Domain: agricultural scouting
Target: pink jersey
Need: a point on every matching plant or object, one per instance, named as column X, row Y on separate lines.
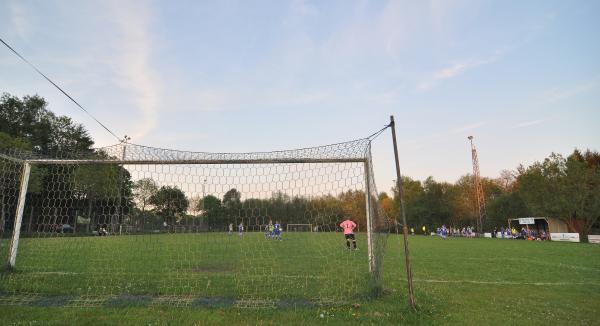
column 348, row 226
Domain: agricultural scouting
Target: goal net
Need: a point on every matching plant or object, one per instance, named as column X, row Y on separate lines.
column 135, row 225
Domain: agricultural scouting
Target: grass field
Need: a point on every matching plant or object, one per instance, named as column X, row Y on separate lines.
column 307, row 279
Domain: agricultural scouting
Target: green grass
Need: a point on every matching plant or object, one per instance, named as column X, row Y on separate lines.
column 305, row 266
column 457, row 281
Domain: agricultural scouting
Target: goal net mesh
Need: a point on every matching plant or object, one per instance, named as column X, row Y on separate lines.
column 133, row 225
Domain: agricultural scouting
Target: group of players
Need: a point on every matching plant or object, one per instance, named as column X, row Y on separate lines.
column 273, row 231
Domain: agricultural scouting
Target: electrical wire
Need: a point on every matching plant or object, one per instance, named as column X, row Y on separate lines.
column 60, row 89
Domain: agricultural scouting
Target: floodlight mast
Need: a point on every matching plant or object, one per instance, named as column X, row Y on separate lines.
column 478, row 187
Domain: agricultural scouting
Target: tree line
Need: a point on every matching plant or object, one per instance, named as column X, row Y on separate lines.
column 170, row 205
column 567, row 188
column 563, row 187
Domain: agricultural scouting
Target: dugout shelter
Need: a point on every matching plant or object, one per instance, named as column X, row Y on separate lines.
column 539, row 224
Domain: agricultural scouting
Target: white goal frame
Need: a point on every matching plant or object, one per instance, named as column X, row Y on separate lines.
column 310, row 226
column 28, row 163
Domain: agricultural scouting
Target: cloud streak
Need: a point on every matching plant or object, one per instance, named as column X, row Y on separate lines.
column 528, row 124
column 558, row 94
column 456, row 70
column 467, row 127
column 134, row 72
column 18, row 17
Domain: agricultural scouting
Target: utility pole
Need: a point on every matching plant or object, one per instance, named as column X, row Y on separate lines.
column 400, row 187
column 478, row 188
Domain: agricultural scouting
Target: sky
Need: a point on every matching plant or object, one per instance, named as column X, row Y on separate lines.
column 522, row 77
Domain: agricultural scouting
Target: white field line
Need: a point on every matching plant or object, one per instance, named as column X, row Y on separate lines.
column 538, row 262
column 507, row 282
column 54, row 273
column 247, row 276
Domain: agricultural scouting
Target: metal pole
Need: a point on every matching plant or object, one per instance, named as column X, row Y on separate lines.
column 399, row 186
column 119, row 184
column 14, row 242
column 203, row 193
column 368, row 216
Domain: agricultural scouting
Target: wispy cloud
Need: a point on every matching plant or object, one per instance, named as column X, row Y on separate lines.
column 133, row 62
column 467, row 127
column 556, row 94
column 457, row 69
column 18, row 17
column 418, row 143
column 528, row 123
column 302, row 7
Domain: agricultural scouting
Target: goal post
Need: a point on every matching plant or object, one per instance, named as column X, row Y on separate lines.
column 14, row 241
column 96, row 223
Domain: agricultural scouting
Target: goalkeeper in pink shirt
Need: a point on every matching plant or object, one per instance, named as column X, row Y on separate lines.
column 349, row 227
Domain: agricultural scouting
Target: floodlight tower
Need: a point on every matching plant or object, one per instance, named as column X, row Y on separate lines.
column 478, row 188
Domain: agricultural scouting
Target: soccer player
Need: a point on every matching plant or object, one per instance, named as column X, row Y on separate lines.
column 230, row 228
column 349, row 227
column 269, row 230
column 103, row 230
column 241, row 229
column 277, row 231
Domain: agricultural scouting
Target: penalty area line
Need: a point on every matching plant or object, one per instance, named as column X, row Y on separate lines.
column 506, row 282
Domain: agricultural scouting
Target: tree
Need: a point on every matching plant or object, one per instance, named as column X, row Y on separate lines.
column 565, row 188
column 143, row 190
column 463, row 202
column 353, row 205
column 389, row 208
column 209, row 203
column 387, row 205
column 26, row 125
column 582, row 185
column 93, row 183
column 232, row 199
column 505, row 206
column 542, row 187
column 170, row 202
column 195, row 205
column 413, row 191
column 507, row 179
column 211, row 209
column 29, row 119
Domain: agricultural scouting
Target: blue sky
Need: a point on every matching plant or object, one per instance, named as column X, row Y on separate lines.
column 523, row 77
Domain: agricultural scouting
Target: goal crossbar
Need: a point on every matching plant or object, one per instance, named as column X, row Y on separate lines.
column 179, row 162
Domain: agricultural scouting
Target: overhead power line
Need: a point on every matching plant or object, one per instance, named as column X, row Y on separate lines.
column 60, row 89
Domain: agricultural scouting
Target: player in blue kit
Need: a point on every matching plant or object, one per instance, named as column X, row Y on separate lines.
column 277, row 231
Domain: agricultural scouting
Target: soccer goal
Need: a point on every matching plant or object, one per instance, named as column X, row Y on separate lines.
column 129, row 223
column 299, row 228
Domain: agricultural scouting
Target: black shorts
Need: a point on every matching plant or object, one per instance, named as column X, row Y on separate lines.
column 349, row 236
